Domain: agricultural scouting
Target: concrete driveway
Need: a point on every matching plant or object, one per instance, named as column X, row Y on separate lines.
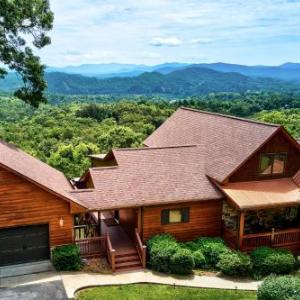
column 53, row 290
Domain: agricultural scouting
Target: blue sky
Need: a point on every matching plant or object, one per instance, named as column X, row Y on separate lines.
column 155, row 31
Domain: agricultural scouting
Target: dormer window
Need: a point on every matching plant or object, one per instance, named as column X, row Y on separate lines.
column 272, row 163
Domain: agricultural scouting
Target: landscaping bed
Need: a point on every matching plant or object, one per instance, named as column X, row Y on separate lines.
column 166, row 255
column 156, row 291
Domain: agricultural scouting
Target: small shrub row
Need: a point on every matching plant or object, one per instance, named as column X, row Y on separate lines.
column 166, row 255
column 66, row 258
column 279, row 288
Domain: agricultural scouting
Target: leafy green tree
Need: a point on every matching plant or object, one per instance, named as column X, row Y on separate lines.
column 18, row 19
column 119, row 137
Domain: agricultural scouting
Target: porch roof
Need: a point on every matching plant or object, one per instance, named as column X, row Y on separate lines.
column 263, row 194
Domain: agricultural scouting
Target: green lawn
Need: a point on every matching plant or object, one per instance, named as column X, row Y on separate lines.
column 157, row 292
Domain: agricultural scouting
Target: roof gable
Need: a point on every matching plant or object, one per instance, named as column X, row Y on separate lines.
column 35, row 171
column 227, row 141
column 150, row 176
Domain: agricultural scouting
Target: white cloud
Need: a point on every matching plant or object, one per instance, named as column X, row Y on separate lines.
column 166, row 41
column 87, row 31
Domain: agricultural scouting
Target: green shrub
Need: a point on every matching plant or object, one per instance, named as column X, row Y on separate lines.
column 199, row 259
column 235, row 263
column 268, row 261
column 182, row 262
column 160, row 250
column 279, row 288
column 211, row 248
column 66, row 258
column 159, row 241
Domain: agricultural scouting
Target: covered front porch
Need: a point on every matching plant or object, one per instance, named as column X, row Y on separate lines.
column 264, row 213
column 114, row 234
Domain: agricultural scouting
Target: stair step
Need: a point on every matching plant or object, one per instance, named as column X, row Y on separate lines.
column 126, row 265
column 126, row 254
column 127, row 258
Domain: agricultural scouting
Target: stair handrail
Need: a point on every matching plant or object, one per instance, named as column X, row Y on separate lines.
column 142, row 249
column 111, row 253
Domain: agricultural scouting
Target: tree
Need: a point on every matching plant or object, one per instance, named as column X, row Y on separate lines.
column 18, row 19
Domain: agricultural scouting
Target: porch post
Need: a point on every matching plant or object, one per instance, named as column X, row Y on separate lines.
column 99, row 222
column 241, row 229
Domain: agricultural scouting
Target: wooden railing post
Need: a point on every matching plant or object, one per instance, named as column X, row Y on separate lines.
column 142, row 249
column 241, row 230
column 272, row 236
column 111, row 253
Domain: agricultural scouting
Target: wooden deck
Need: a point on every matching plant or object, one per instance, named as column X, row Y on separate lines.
column 288, row 239
column 121, row 251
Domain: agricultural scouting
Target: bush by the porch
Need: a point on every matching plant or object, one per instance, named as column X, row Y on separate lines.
column 199, row 259
column 160, row 249
column 282, row 287
column 235, row 263
column 212, row 249
column 268, row 261
column 182, row 262
column 66, row 258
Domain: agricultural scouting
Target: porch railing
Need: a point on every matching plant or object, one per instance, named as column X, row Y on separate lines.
column 282, row 238
column 92, row 247
column 111, row 253
column 142, row 249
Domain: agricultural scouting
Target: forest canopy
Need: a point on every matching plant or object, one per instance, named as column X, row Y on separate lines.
column 64, row 135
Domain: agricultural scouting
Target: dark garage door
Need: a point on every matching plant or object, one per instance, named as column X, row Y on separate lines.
column 24, row 244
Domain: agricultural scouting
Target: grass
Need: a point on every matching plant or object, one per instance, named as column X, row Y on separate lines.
column 157, row 292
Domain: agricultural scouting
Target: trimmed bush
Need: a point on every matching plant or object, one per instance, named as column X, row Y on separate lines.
column 235, row 263
column 199, row 259
column 182, row 262
column 268, row 261
column 212, row 248
column 279, row 288
column 160, row 249
column 66, row 258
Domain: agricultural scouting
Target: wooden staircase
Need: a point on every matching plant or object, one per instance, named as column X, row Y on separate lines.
column 128, row 260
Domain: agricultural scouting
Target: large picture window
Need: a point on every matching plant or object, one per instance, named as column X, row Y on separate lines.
column 173, row 216
column 272, row 163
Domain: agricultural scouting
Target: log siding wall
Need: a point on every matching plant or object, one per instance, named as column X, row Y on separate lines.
column 23, row 203
column 205, row 220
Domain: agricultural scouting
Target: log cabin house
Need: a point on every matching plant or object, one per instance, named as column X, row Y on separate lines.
column 198, row 174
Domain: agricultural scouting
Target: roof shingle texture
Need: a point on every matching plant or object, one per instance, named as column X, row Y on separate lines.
column 227, row 141
column 149, row 176
column 33, row 169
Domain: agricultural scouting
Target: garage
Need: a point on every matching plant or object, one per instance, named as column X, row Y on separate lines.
column 24, row 244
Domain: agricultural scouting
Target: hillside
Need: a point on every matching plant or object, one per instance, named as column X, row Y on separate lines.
column 287, row 71
column 188, row 81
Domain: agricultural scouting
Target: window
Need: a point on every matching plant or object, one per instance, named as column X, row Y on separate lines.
column 272, row 164
column 173, row 216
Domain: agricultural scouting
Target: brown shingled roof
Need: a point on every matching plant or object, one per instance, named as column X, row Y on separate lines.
column 34, row 170
column 149, row 176
column 228, row 141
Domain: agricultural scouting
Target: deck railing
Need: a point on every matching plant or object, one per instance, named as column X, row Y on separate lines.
column 282, row 238
column 111, row 253
column 142, row 249
column 92, row 247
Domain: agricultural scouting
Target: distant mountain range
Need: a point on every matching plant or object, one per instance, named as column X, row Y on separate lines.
column 174, row 79
column 287, row 71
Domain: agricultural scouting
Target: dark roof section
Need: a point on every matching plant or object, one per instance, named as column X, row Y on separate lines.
column 150, row 176
column 35, row 171
column 227, row 141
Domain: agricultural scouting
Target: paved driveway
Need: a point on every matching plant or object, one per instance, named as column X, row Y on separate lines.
column 53, row 290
